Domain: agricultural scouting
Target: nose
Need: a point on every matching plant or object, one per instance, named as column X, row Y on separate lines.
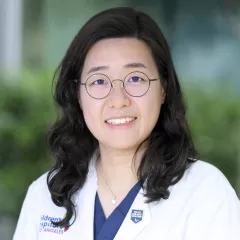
column 118, row 97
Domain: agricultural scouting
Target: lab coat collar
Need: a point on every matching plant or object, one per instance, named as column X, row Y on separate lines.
column 86, row 203
column 130, row 228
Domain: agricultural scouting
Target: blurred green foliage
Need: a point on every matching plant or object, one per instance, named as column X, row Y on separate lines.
column 214, row 118
column 27, row 111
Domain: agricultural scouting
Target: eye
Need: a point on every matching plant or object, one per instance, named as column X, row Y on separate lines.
column 99, row 82
column 136, row 79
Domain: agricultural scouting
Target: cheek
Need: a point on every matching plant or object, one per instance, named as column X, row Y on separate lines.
column 92, row 120
column 150, row 107
column 154, row 100
column 84, row 100
column 92, row 113
column 152, row 110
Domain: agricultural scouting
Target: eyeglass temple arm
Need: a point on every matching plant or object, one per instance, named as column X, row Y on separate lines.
column 155, row 79
column 76, row 81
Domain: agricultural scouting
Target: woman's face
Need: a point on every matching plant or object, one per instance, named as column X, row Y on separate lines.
column 116, row 58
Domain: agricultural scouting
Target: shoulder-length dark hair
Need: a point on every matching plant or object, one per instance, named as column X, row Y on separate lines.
column 72, row 144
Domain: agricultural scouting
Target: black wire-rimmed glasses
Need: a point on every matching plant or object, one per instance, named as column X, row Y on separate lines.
column 136, row 84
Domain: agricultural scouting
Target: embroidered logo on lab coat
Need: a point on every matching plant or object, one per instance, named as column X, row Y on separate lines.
column 46, row 224
column 137, row 215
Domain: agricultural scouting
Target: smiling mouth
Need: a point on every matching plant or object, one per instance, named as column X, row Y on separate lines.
column 120, row 121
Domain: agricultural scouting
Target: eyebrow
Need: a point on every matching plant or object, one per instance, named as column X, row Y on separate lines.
column 129, row 65
column 135, row 65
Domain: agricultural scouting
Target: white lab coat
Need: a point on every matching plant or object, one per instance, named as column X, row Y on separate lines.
column 201, row 206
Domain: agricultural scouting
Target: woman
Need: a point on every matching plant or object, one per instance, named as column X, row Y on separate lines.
column 125, row 166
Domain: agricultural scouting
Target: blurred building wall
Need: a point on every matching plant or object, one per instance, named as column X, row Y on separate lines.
column 203, row 36
column 10, row 36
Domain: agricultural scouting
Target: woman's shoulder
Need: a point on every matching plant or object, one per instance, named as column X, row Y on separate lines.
column 199, row 169
column 203, row 171
column 203, row 178
column 39, row 188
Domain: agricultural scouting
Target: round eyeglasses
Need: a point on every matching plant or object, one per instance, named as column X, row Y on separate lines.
column 136, row 84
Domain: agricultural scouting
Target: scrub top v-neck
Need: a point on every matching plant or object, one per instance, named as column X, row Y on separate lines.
column 106, row 229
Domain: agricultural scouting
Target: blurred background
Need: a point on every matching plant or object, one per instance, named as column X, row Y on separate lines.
column 204, row 37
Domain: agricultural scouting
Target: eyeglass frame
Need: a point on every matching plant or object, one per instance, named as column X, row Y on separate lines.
column 111, row 81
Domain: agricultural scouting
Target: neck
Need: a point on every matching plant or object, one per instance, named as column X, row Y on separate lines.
column 118, row 168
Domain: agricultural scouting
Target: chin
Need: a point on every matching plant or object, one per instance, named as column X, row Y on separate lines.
column 121, row 144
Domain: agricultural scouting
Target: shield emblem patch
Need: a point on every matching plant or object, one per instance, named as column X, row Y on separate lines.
column 137, row 215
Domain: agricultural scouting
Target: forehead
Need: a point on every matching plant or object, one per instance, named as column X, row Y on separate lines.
column 118, row 52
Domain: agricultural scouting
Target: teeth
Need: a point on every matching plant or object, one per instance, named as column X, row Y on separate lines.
column 120, row 121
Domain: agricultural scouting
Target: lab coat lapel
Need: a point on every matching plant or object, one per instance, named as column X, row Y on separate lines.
column 136, row 220
column 85, row 205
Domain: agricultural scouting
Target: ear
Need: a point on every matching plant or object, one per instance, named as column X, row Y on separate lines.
column 80, row 104
column 163, row 95
column 163, row 91
column 79, row 98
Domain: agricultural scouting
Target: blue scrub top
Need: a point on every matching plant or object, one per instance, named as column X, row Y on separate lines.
column 106, row 229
